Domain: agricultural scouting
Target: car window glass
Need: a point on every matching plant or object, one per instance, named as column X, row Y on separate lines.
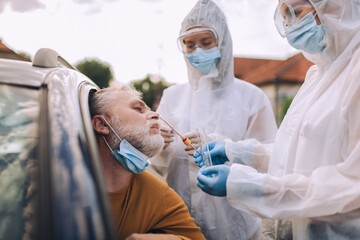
column 19, row 137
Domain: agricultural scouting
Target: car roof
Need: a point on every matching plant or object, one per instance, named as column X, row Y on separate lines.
column 22, row 73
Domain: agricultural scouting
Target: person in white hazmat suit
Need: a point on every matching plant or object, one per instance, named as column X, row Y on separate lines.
column 223, row 106
column 313, row 175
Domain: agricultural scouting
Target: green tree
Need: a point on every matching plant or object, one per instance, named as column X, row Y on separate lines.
column 151, row 90
column 99, row 72
column 285, row 106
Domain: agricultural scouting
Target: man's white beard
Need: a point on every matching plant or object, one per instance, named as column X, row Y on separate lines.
column 138, row 137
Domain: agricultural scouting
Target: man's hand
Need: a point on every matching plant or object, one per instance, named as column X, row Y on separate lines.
column 212, row 180
column 217, row 153
column 167, row 135
column 149, row 236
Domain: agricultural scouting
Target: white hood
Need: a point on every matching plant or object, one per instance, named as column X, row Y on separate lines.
column 207, row 14
column 341, row 22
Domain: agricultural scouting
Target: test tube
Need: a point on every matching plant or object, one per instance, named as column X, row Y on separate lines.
column 205, row 148
column 201, row 147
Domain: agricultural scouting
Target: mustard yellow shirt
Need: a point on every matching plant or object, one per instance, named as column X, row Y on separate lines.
column 149, row 205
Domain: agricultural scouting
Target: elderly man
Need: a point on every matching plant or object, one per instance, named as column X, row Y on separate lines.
column 127, row 133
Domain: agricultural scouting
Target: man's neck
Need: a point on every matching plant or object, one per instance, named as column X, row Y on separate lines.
column 116, row 176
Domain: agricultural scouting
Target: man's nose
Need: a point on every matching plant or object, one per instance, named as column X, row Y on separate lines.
column 153, row 115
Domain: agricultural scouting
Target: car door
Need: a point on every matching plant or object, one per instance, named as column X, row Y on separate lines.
column 79, row 204
column 50, row 179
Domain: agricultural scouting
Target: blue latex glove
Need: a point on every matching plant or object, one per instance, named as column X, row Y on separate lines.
column 217, row 153
column 213, row 184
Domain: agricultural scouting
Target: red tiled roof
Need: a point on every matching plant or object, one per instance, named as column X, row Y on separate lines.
column 4, row 48
column 7, row 53
column 260, row 71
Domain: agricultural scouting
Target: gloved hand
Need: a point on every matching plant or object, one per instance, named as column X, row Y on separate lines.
column 217, row 153
column 211, row 183
column 195, row 141
column 167, row 135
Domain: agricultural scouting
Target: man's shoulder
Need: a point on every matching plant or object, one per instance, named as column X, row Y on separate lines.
column 159, row 191
column 149, row 181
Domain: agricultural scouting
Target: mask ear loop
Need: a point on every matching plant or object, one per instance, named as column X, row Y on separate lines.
column 111, row 128
column 107, row 144
column 315, row 14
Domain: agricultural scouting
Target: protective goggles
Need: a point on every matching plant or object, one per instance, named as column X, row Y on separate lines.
column 289, row 12
column 204, row 38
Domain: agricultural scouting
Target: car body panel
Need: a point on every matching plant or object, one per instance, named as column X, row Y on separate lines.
column 22, row 73
column 69, row 198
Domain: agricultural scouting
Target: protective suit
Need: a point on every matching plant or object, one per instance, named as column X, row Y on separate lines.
column 226, row 108
column 313, row 174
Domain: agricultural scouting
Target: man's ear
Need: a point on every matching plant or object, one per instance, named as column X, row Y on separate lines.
column 99, row 125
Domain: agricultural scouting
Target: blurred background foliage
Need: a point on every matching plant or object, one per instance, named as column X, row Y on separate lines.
column 152, row 88
column 98, row 71
column 285, row 106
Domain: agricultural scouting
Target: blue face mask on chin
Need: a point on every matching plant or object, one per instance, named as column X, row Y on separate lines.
column 128, row 156
column 306, row 35
column 203, row 60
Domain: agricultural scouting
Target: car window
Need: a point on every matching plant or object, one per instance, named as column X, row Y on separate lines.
column 19, row 137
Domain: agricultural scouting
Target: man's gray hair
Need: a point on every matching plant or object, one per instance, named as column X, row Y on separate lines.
column 100, row 100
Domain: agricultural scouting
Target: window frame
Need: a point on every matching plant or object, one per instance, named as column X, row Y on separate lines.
column 95, row 165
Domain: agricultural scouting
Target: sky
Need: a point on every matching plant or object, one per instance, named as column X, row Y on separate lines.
column 135, row 37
